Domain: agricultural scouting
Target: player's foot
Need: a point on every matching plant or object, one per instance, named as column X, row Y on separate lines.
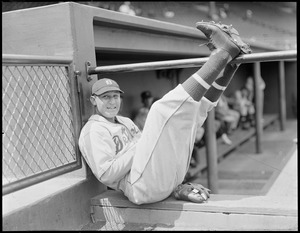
column 226, row 139
column 191, row 192
column 224, row 37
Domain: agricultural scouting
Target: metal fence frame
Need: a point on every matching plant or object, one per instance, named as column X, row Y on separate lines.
column 29, row 60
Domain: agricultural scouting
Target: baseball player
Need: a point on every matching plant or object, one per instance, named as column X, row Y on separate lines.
column 150, row 166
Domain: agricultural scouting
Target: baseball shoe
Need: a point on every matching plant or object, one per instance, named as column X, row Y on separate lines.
column 223, row 37
column 226, row 139
column 191, row 192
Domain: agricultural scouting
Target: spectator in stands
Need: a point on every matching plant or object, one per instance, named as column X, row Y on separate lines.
column 127, row 8
column 140, row 118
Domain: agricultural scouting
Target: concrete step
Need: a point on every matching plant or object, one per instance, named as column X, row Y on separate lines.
column 111, row 210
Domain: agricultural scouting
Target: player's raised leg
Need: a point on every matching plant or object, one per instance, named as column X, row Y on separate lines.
column 225, row 44
column 163, row 153
column 224, row 49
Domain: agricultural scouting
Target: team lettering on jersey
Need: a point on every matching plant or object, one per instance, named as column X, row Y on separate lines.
column 118, row 142
column 125, row 138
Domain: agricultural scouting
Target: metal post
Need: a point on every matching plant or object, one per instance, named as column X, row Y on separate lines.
column 211, row 152
column 282, row 102
column 258, row 107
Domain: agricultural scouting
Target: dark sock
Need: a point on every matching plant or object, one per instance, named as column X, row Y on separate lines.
column 213, row 94
column 208, row 72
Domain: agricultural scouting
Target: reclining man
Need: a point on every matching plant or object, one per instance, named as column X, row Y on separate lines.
column 150, row 166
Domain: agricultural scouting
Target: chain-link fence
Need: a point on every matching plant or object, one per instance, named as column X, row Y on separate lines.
column 38, row 134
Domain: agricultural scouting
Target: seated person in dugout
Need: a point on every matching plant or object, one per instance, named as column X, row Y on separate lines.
column 227, row 115
column 228, row 118
column 245, row 108
column 223, row 132
column 248, row 93
column 141, row 116
column 150, row 166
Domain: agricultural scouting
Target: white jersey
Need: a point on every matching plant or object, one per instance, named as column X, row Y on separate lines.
column 103, row 143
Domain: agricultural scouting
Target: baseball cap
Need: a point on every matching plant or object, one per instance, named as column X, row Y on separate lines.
column 104, row 85
column 146, row 94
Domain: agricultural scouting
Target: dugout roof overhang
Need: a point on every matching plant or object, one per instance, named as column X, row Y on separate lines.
column 114, row 32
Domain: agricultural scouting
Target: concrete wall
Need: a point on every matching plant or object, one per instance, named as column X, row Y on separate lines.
column 65, row 209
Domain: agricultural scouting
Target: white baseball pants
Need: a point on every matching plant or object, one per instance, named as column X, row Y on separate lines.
column 164, row 151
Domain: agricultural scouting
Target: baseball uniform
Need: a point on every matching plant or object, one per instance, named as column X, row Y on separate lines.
column 147, row 167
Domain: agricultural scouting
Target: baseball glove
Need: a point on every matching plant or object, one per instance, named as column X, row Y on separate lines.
column 191, row 192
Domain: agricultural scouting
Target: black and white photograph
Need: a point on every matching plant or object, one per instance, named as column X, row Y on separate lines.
column 149, row 116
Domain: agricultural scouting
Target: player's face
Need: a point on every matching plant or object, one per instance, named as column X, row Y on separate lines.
column 108, row 104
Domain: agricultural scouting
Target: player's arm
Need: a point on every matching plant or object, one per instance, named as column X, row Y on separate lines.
column 99, row 152
column 119, row 167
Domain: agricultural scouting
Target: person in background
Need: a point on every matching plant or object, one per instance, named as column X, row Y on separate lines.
column 141, row 116
column 248, row 91
column 223, row 132
column 225, row 114
column 127, row 8
column 244, row 107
